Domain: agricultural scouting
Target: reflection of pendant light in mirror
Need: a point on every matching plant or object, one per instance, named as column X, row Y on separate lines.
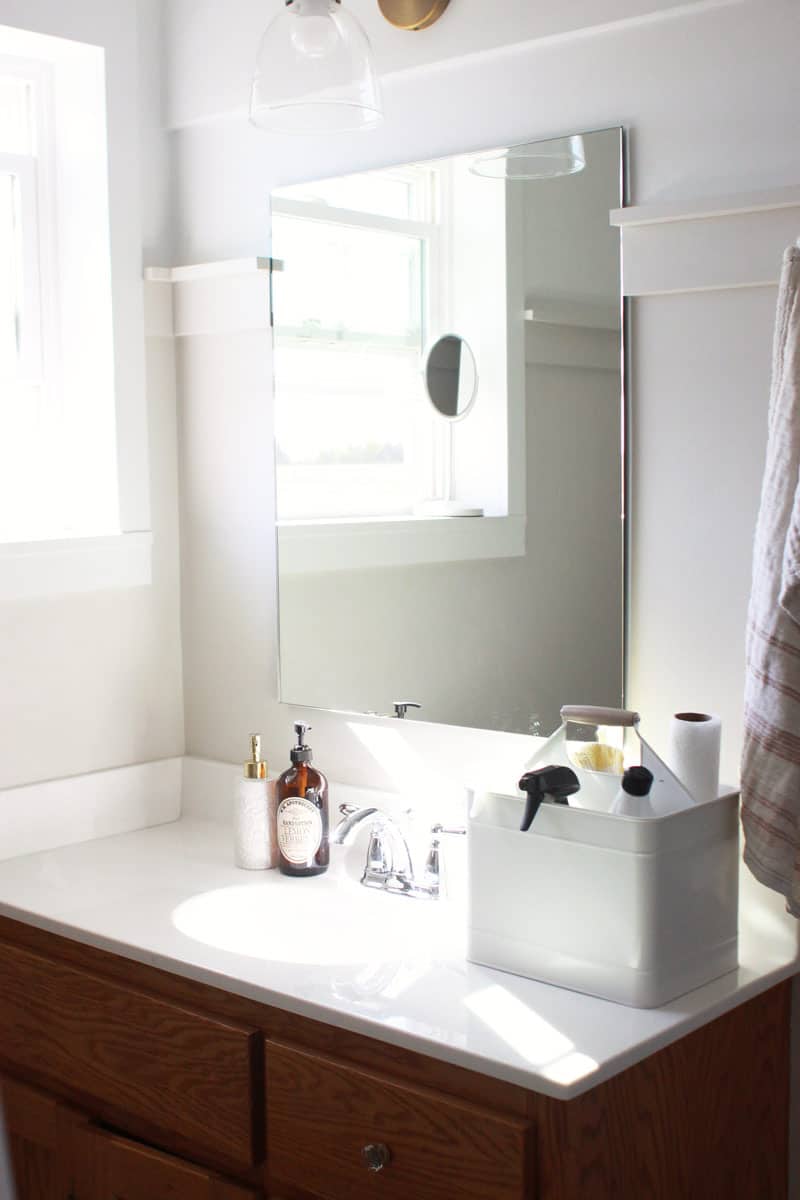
column 314, row 72
column 534, row 160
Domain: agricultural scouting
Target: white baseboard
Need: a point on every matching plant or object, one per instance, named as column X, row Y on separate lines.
column 208, row 789
column 42, row 816
column 63, row 812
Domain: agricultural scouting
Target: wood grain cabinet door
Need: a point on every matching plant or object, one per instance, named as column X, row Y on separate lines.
column 345, row 1134
column 130, row 1054
column 37, row 1136
column 113, row 1168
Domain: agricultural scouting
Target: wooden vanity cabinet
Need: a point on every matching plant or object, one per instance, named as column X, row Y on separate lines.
column 124, row 1082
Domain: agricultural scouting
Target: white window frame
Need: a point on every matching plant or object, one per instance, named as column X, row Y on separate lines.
column 22, row 169
column 428, row 232
column 34, row 174
column 350, row 543
column 118, row 554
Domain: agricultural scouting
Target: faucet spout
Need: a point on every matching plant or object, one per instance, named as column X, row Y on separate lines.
column 344, row 832
column 386, row 835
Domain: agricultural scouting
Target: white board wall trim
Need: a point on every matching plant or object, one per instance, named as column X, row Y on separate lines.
column 37, row 817
column 63, row 812
column 708, row 244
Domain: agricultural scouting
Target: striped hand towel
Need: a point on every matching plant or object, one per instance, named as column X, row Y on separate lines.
column 771, row 753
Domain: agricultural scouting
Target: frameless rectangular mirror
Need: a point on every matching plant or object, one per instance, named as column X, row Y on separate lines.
column 449, row 430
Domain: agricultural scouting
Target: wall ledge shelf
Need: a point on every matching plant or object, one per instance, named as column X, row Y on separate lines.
column 706, row 208
column 209, row 298
column 567, row 311
column 228, row 269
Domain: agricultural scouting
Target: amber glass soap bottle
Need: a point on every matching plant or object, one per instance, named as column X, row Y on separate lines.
column 302, row 797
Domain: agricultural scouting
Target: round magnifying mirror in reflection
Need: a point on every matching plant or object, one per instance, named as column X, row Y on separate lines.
column 451, row 377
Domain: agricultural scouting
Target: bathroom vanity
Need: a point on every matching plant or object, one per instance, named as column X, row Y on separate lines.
column 169, row 1032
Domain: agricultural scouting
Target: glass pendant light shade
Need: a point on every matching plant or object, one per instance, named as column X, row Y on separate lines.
column 534, row 160
column 314, row 72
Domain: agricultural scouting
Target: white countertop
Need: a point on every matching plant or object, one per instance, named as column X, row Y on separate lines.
column 384, row 966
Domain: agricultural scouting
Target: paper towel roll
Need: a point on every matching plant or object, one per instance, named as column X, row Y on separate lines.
column 693, row 753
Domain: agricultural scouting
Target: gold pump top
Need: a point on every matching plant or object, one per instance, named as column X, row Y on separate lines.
column 256, row 767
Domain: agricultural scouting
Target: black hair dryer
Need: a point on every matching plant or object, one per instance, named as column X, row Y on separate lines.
column 556, row 782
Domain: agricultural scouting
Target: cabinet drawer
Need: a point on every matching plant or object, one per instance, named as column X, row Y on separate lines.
column 323, row 1116
column 171, row 1068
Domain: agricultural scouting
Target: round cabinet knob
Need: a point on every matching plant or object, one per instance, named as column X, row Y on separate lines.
column 376, row 1156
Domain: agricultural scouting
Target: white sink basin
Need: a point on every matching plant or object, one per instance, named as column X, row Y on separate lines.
column 327, row 920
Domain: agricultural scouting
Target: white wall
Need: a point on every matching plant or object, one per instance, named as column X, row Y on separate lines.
column 706, row 113
column 469, row 27
column 92, row 681
column 700, row 387
column 156, row 191
column 710, row 97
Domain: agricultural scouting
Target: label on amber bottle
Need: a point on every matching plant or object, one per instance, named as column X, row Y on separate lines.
column 299, row 829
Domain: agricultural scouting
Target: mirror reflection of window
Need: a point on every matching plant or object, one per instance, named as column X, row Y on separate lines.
column 347, row 354
column 17, row 168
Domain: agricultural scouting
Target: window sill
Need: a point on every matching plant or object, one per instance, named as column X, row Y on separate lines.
column 306, row 547
column 75, row 565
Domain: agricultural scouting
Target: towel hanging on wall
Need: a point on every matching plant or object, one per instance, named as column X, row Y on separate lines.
column 771, row 753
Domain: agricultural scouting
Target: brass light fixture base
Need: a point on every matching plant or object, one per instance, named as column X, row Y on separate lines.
column 412, row 14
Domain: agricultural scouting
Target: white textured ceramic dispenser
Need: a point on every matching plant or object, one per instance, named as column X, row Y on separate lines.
column 254, row 838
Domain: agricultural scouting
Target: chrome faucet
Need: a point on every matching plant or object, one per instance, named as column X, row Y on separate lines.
column 388, row 853
column 389, row 867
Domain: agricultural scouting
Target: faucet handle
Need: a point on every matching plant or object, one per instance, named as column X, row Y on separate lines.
column 380, row 859
column 434, row 865
column 401, row 707
column 433, row 869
